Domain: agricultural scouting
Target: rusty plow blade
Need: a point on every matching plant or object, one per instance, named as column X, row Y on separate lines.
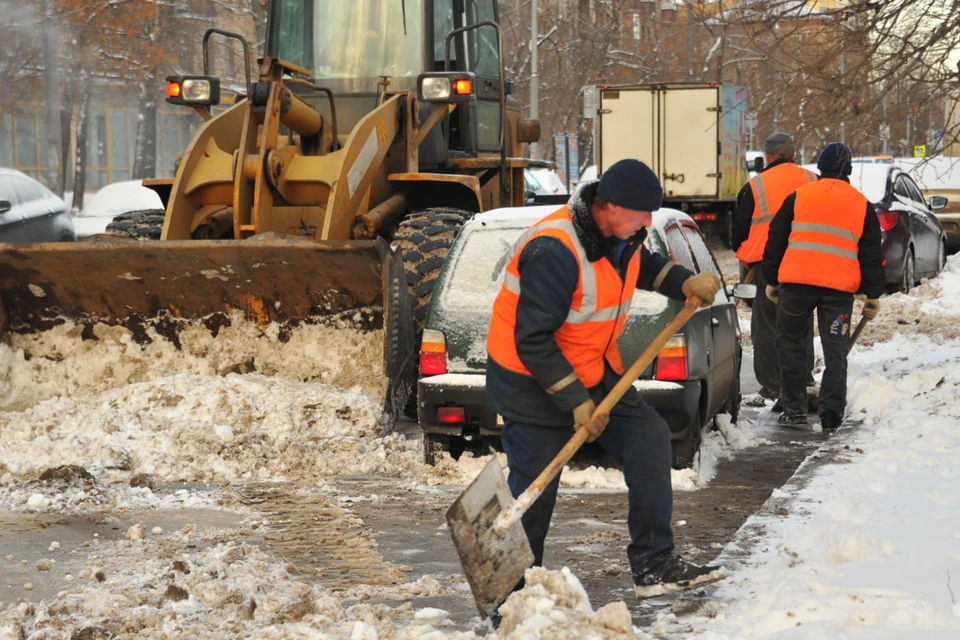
column 494, row 559
column 157, row 290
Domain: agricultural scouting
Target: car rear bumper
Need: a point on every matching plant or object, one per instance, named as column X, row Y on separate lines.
column 677, row 402
column 456, row 390
column 894, row 243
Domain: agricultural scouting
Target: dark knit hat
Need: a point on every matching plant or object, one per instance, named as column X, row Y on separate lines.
column 779, row 144
column 836, row 159
column 631, row 184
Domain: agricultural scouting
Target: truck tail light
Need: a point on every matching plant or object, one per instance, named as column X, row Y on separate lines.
column 451, row 415
column 888, row 220
column 433, row 353
column 672, row 360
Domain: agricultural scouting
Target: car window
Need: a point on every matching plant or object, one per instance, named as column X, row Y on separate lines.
column 701, row 253
column 914, row 191
column 531, row 182
column 474, row 276
column 678, row 247
column 28, row 190
column 900, row 188
column 7, row 192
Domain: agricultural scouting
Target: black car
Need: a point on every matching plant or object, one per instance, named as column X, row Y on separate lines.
column 29, row 212
column 914, row 242
column 695, row 377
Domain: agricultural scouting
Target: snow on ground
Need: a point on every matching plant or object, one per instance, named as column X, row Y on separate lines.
column 869, row 546
column 866, row 548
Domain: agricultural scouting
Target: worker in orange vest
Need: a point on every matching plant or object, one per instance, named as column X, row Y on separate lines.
column 553, row 355
column 823, row 247
column 757, row 203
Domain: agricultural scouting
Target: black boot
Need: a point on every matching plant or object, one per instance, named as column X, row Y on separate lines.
column 829, row 421
column 792, row 419
column 673, row 573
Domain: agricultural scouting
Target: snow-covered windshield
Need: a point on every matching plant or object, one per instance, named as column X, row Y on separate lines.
column 477, row 269
column 352, row 40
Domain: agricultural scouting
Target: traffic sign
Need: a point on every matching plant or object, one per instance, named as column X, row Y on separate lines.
column 920, row 151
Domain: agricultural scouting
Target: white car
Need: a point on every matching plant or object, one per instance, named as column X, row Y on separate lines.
column 550, row 181
column 129, row 198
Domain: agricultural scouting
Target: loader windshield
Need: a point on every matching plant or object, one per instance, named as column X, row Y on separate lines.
column 351, row 42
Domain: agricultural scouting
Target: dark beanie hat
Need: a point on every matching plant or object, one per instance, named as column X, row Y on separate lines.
column 779, row 144
column 836, row 159
column 631, row 184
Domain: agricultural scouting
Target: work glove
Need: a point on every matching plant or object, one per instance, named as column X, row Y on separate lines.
column 703, row 285
column 871, row 308
column 773, row 293
column 582, row 419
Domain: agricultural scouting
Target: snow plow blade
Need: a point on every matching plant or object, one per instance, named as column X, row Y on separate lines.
column 157, row 289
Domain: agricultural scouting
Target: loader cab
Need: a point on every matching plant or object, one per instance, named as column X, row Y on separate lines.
column 349, row 44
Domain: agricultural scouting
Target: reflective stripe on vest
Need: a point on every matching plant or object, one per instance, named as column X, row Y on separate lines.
column 770, row 189
column 596, row 317
column 822, row 250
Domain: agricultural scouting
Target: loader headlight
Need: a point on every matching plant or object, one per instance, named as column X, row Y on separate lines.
column 446, row 87
column 193, row 90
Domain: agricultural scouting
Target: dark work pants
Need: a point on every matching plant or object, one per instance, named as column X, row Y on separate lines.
column 639, row 440
column 763, row 333
column 794, row 320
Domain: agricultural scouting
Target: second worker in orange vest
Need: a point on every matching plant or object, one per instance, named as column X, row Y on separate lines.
column 824, row 246
column 758, row 202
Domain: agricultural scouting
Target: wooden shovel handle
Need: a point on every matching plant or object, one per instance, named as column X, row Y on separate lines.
column 642, row 362
column 747, row 279
column 856, row 332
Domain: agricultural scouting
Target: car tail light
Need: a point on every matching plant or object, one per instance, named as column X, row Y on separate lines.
column 888, row 220
column 433, row 353
column 672, row 360
column 451, row 415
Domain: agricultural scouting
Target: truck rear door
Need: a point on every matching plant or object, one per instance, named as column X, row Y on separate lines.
column 628, row 127
column 690, row 141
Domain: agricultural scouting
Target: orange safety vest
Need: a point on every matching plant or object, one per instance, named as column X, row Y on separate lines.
column 770, row 189
column 823, row 247
column 597, row 314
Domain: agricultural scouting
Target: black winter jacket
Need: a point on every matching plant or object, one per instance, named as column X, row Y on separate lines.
column 549, row 275
column 869, row 249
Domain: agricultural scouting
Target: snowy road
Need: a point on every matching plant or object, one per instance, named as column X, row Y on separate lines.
column 209, row 505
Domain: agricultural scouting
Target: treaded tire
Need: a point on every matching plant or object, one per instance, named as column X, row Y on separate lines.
column 685, row 450
column 424, row 237
column 146, row 224
column 732, row 405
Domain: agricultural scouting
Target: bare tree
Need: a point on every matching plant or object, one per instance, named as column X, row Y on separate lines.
column 876, row 74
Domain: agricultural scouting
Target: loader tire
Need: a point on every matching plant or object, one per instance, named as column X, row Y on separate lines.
column 425, row 238
column 146, row 224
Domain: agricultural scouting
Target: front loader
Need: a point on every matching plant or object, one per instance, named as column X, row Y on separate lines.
column 324, row 199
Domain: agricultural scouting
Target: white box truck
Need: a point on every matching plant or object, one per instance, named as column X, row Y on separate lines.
column 692, row 135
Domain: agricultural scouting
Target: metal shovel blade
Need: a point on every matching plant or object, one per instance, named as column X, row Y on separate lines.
column 493, row 561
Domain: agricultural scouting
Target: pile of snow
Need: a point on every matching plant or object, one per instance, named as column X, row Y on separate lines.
column 867, row 545
column 57, row 362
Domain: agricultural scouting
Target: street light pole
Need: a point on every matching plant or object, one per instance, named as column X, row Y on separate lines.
column 534, row 73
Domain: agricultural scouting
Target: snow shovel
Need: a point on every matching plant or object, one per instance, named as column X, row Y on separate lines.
column 856, row 333
column 485, row 520
column 747, row 279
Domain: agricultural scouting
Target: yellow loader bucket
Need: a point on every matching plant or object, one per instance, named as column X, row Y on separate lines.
column 157, row 291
